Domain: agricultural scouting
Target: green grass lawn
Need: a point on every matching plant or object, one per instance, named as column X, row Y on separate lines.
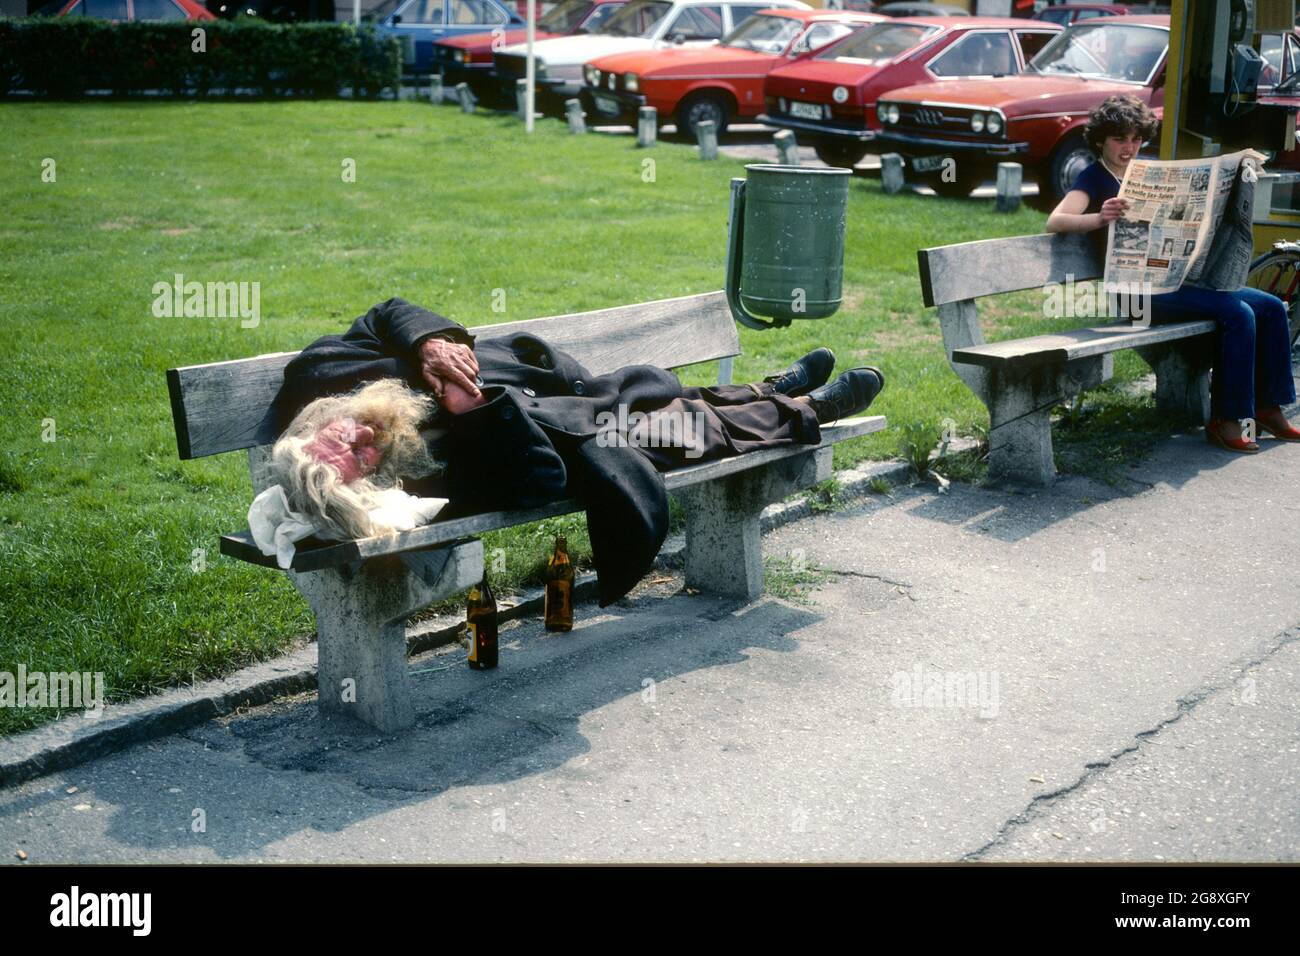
column 99, row 527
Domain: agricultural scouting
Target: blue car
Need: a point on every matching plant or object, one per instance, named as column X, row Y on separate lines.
column 418, row 24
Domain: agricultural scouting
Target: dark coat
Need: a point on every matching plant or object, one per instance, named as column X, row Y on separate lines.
column 531, row 443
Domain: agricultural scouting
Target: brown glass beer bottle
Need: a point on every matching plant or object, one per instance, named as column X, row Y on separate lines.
column 481, row 622
column 559, row 588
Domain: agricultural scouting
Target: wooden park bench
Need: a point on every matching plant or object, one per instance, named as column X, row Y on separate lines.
column 1021, row 380
column 362, row 591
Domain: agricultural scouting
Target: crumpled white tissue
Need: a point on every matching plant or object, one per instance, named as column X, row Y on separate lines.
column 276, row 528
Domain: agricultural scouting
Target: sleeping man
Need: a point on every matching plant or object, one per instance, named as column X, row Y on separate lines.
column 406, row 398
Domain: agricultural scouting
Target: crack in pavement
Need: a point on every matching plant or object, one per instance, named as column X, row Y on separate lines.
column 864, row 574
column 1184, row 706
column 903, row 587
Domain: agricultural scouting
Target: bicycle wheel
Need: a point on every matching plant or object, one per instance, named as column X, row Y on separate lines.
column 1278, row 273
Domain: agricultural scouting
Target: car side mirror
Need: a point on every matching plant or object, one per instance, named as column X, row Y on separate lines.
column 397, row 19
column 800, row 48
column 678, row 38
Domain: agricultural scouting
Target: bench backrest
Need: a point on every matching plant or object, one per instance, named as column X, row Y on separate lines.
column 226, row 406
column 968, row 270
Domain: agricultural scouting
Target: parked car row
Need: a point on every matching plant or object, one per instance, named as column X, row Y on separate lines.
column 978, row 90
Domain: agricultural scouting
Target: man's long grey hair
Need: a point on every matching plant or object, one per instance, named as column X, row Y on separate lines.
column 341, row 510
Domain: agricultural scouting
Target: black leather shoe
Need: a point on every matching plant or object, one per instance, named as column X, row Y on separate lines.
column 804, row 375
column 851, row 393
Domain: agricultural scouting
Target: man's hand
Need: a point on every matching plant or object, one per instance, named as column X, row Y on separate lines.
column 444, row 363
column 1113, row 209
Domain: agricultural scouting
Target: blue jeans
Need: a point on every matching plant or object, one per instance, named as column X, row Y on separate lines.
column 1252, row 363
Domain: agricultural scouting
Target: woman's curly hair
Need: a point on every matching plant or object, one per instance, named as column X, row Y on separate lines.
column 1119, row 115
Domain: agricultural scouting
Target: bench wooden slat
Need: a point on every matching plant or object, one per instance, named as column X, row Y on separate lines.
column 226, row 406
column 241, row 545
column 1077, row 343
column 968, row 270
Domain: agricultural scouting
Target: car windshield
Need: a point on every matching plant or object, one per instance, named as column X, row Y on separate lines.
column 1116, row 51
column 564, row 17
column 382, row 11
column 878, row 43
column 765, row 33
column 637, row 19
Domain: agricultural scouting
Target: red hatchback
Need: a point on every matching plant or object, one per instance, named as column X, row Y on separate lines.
column 124, row 11
column 829, row 99
column 721, row 83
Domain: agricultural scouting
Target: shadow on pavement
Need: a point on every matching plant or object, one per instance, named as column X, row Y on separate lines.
column 286, row 769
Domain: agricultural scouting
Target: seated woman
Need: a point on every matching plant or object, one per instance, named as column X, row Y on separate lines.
column 511, row 423
column 1252, row 367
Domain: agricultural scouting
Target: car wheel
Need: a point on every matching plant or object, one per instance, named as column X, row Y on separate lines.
column 843, row 155
column 1069, row 159
column 700, row 107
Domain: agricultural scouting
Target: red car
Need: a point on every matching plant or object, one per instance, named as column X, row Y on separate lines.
column 1035, row 119
column 721, row 83
column 829, row 99
column 128, row 10
column 468, row 59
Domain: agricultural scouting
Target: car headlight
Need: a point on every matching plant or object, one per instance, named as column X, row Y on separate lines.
column 840, row 94
column 591, row 75
column 994, row 124
column 460, row 56
column 977, row 122
column 889, row 113
column 630, row 82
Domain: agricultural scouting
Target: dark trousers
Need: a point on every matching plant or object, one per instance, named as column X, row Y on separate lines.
column 725, row 420
column 1252, row 364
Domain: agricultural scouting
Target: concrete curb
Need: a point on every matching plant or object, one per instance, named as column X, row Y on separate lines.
column 73, row 739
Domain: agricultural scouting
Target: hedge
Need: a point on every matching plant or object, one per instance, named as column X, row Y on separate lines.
column 68, row 56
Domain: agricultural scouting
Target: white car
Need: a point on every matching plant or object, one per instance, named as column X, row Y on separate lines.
column 641, row 25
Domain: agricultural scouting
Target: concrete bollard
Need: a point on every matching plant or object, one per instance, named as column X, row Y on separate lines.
column 435, row 89
column 787, row 148
column 1009, row 179
column 706, row 135
column 891, row 173
column 521, row 98
column 466, row 97
column 647, row 126
column 576, row 117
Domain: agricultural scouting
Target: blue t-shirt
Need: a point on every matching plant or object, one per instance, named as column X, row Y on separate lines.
column 1100, row 185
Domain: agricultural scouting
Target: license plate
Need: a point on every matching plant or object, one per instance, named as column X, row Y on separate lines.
column 606, row 104
column 928, row 164
column 812, row 111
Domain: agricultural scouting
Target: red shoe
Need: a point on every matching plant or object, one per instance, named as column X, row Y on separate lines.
column 1274, row 422
column 1215, row 437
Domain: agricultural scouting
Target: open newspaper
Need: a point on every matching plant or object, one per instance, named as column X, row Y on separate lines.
column 1188, row 220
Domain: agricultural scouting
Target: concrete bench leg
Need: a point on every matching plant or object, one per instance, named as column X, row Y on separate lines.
column 724, row 553
column 361, row 627
column 1182, row 376
column 1020, row 416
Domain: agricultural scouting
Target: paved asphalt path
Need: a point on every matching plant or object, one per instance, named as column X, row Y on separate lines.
column 1085, row 673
